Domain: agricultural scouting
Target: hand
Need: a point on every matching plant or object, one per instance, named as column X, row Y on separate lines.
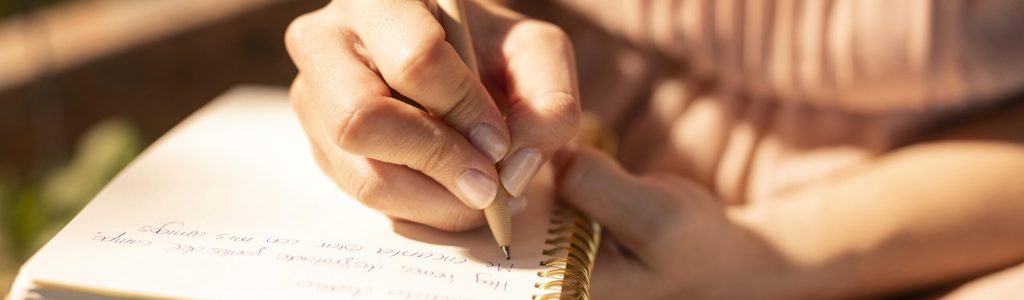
column 666, row 237
column 436, row 166
column 871, row 233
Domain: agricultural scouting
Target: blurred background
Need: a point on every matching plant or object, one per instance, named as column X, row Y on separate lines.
column 85, row 85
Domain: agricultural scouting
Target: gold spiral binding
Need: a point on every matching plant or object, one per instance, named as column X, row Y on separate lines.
column 571, row 252
column 575, row 236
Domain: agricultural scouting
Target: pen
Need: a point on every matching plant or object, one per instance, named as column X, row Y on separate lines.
column 453, row 20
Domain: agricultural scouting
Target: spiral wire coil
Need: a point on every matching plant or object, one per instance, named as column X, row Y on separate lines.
column 571, row 251
column 575, row 236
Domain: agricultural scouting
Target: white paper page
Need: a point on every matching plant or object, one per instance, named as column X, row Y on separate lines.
column 230, row 204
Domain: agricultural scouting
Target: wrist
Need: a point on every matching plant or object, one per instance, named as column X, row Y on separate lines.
column 796, row 263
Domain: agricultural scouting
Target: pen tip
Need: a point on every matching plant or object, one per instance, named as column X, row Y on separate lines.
column 505, row 249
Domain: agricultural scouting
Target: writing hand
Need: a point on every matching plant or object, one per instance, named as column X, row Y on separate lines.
column 435, row 166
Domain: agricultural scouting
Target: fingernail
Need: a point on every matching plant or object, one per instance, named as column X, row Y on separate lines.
column 516, row 205
column 487, row 139
column 519, row 168
column 477, row 189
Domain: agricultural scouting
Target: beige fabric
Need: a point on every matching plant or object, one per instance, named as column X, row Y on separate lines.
column 773, row 95
column 862, row 55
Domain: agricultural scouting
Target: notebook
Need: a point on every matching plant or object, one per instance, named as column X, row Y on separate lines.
column 231, row 205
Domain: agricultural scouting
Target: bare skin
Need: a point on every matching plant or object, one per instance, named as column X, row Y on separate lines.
column 798, row 197
column 767, row 178
column 931, row 213
column 359, row 60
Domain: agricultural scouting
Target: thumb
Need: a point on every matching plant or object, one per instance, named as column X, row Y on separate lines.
column 632, row 209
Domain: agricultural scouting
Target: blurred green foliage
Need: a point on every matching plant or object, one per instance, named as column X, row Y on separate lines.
column 33, row 211
column 10, row 7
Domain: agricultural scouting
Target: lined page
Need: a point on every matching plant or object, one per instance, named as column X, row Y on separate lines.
column 230, row 204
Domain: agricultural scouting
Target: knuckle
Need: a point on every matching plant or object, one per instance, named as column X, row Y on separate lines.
column 463, row 107
column 435, row 155
column 343, row 133
column 412, row 65
column 564, row 107
column 371, row 192
column 298, row 32
column 351, row 124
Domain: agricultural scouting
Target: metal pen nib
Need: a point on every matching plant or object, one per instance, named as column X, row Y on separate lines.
column 506, row 250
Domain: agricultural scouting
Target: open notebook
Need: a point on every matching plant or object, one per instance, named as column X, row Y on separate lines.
column 230, row 204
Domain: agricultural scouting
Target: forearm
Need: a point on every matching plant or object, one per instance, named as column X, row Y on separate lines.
column 860, row 55
column 924, row 215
